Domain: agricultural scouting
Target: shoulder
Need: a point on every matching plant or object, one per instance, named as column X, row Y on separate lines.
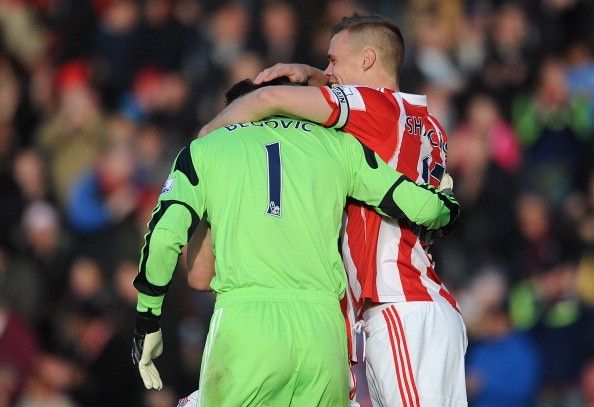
column 361, row 97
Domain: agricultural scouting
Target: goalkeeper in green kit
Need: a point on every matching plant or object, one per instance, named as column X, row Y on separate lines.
column 273, row 192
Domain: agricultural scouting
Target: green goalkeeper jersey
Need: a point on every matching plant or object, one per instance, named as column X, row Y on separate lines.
column 274, row 192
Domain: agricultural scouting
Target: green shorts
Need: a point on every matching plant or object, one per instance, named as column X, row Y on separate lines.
column 275, row 348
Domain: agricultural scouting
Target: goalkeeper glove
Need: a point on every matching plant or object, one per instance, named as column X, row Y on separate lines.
column 447, row 184
column 146, row 346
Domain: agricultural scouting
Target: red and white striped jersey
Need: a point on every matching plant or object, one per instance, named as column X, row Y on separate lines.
column 384, row 259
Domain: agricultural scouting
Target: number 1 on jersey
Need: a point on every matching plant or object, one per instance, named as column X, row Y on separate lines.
column 274, row 179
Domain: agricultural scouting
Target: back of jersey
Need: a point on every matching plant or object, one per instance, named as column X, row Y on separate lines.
column 274, row 193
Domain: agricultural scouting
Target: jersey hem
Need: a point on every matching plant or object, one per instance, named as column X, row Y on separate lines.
column 412, row 298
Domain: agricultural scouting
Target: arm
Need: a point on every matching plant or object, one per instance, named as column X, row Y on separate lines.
column 394, row 195
column 201, row 259
column 174, row 220
column 306, row 102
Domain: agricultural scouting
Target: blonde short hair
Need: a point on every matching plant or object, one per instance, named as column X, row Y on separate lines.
column 381, row 34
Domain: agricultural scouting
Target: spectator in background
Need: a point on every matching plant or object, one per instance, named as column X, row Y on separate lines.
column 103, row 197
column 164, row 99
column 483, row 292
column 87, row 285
column 18, row 349
column 42, row 93
column 587, row 383
column 227, row 34
column 557, row 23
column 23, row 36
column 441, row 105
column 103, row 341
column 580, row 73
column 509, row 63
column 579, row 210
column 503, row 366
column 215, row 51
column 176, row 112
column 41, row 247
column 197, row 65
column 502, row 363
column 153, row 156
column 10, row 97
column 541, row 239
column 554, row 128
column 279, row 39
column 73, row 24
column 432, row 55
column 484, row 121
column 561, row 326
column 116, row 43
column 52, row 378
column 142, row 100
column 29, row 172
column 471, row 47
column 102, row 207
column 76, row 134
column 482, row 155
column 162, row 39
column 189, row 13
column 580, row 69
column 39, row 272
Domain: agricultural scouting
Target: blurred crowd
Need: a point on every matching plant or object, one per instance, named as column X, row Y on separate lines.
column 97, row 97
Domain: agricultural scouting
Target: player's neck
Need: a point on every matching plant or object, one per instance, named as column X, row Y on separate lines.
column 381, row 81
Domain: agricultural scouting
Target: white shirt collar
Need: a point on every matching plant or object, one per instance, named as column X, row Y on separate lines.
column 419, row 100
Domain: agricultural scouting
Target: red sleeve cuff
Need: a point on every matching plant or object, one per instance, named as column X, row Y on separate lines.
column 330, row 99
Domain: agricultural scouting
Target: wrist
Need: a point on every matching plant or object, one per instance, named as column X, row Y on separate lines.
column 316, row 77
column 146, row 322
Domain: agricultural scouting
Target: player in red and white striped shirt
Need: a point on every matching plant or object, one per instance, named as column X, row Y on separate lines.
column 416, row 339
column 390, row 270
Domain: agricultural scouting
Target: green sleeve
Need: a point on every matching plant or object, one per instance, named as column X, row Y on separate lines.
column 178, row 212
column 392, row 194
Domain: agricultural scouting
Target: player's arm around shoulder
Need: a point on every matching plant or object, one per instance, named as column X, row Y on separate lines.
column 394, row 195
column 307, row 102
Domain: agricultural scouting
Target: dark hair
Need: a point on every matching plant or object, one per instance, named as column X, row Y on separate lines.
column 386, row 34
column 246, row 86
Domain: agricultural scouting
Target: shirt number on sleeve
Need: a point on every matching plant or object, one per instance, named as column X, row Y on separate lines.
column 274, row 179
column 431, row 170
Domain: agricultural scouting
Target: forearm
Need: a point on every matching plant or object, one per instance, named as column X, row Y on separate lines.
column 421, row 204
column 201, row 259
column 253, row 106
column 306, row 102
column 157, row 267
column 169, row 229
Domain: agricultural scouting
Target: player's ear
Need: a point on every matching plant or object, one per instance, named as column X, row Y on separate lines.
column 369, row 58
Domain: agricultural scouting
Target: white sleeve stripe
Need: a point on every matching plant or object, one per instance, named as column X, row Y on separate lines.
column 343, row 105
